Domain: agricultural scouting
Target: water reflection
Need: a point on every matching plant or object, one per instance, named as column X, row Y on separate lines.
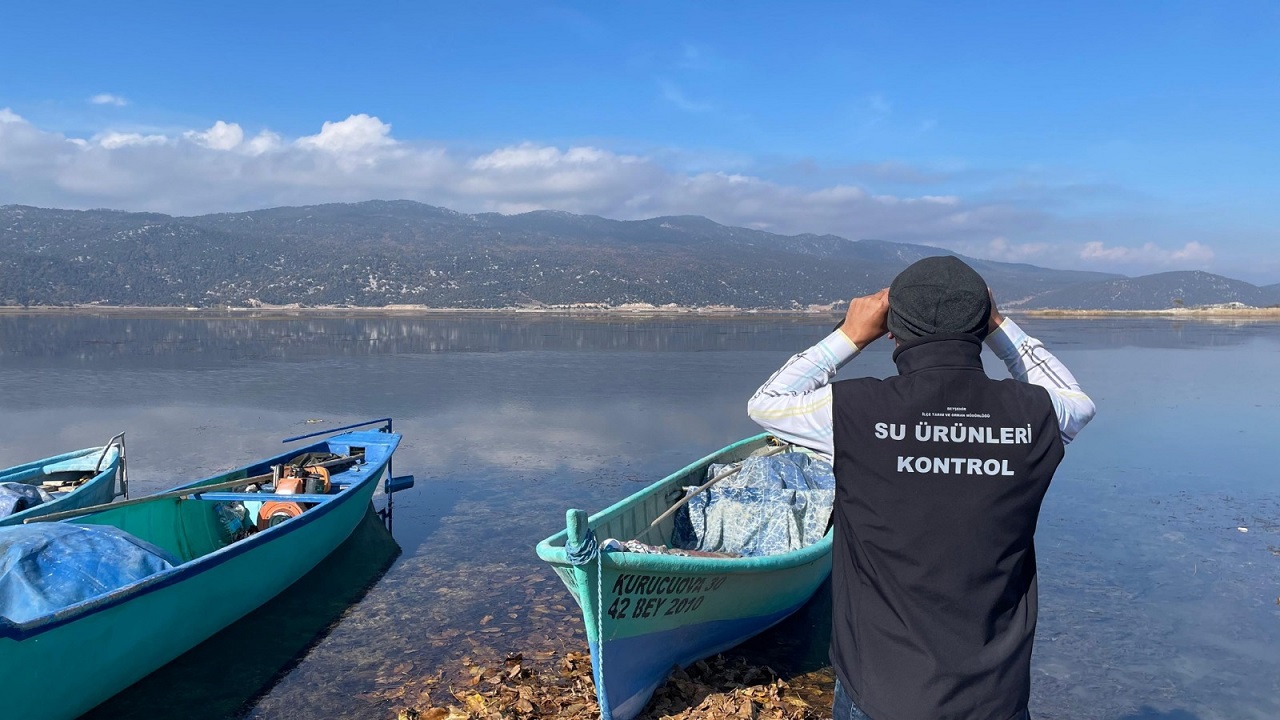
column 101, row 339
column 224, row 676
column 1153, row 601
column 199, row 342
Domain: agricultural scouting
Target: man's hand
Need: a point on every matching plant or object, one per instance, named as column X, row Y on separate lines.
column 866, row 319
column 996, row 317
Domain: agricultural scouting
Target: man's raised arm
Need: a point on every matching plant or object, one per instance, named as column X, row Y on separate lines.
column 795, row 404
column 1029, row 361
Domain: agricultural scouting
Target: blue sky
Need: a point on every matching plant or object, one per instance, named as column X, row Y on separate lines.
column 1134, row 137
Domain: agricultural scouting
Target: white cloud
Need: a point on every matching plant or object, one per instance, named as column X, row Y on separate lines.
column 356, row 133
column 217, row 169
column 222, row 136
column 117, row 140
column 108, row 99
column 537, row 176
column 220, row 168
column 541, row 158
column 1000, row 248
column 520, row 157
column 1191, row 254
column 265, row 141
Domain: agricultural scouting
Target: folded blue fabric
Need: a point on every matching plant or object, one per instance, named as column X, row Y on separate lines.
column 774, row 504
column 45, row 567
column 16, row 497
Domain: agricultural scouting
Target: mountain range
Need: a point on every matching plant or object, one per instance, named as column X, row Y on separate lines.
column 378, row 253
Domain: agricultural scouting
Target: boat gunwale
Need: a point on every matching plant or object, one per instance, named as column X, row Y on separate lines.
column 10, row 630
column 552, row 549
column 51, row 460
column 58, row 504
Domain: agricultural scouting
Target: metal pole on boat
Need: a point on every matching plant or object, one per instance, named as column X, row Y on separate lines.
column 116, row 440
column 390, row 510
column 124, row 469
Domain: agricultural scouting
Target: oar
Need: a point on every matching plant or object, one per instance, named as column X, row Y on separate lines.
column 159, row 496
column 720, row 476
column 185, row 492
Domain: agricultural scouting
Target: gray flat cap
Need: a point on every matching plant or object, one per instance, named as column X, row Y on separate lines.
column 938, row 295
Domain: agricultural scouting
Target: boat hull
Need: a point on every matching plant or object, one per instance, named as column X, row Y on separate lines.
column 645, row 614
column 636, row 646
column 115, row 640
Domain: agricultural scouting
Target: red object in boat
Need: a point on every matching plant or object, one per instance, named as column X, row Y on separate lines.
column 293, row 481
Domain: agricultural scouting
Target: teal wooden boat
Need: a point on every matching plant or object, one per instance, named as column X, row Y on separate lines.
column 295, row 621
column 108, row 642
column 78, row 479
column 646, row 613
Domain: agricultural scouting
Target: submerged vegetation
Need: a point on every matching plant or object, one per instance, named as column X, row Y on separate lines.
column 529, row 660
column 553, row 685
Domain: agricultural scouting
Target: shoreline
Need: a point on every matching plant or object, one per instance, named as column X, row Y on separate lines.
column 1172, row 313
column 411, row 310
column 623, row 311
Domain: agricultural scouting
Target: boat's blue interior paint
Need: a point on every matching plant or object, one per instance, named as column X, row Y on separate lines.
column 240, row 497
column 88, row 462
column 4, row 474
column 80, row 461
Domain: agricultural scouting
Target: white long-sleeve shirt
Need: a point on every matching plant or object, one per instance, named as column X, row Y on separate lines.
column 795, row 404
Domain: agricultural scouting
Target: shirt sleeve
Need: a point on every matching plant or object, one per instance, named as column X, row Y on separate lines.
column 1029, row 361
column 795, row 404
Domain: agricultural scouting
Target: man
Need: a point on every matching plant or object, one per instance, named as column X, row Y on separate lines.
column 940, row 472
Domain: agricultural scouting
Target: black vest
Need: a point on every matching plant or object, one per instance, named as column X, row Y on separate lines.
column 940, row 472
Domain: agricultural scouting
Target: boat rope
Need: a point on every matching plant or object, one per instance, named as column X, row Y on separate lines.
column 579, row 554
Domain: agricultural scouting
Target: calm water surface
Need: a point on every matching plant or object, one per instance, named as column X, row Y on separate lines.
column 1156, row 602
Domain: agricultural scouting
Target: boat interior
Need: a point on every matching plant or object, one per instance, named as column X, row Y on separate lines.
column 63, row 476
column 190, row 523
column 630, row 519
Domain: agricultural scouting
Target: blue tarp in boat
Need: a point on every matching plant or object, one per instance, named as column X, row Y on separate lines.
column 774, row 504
column 16, row 497
column 45, row 567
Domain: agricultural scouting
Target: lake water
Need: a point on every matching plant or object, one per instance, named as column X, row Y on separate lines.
column 1155, row 601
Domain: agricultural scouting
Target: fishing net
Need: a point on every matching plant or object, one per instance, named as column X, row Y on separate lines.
column 773, row 504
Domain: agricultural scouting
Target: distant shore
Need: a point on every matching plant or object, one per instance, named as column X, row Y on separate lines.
column 331, row 311
column 637, row 310
column 1177, row 313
